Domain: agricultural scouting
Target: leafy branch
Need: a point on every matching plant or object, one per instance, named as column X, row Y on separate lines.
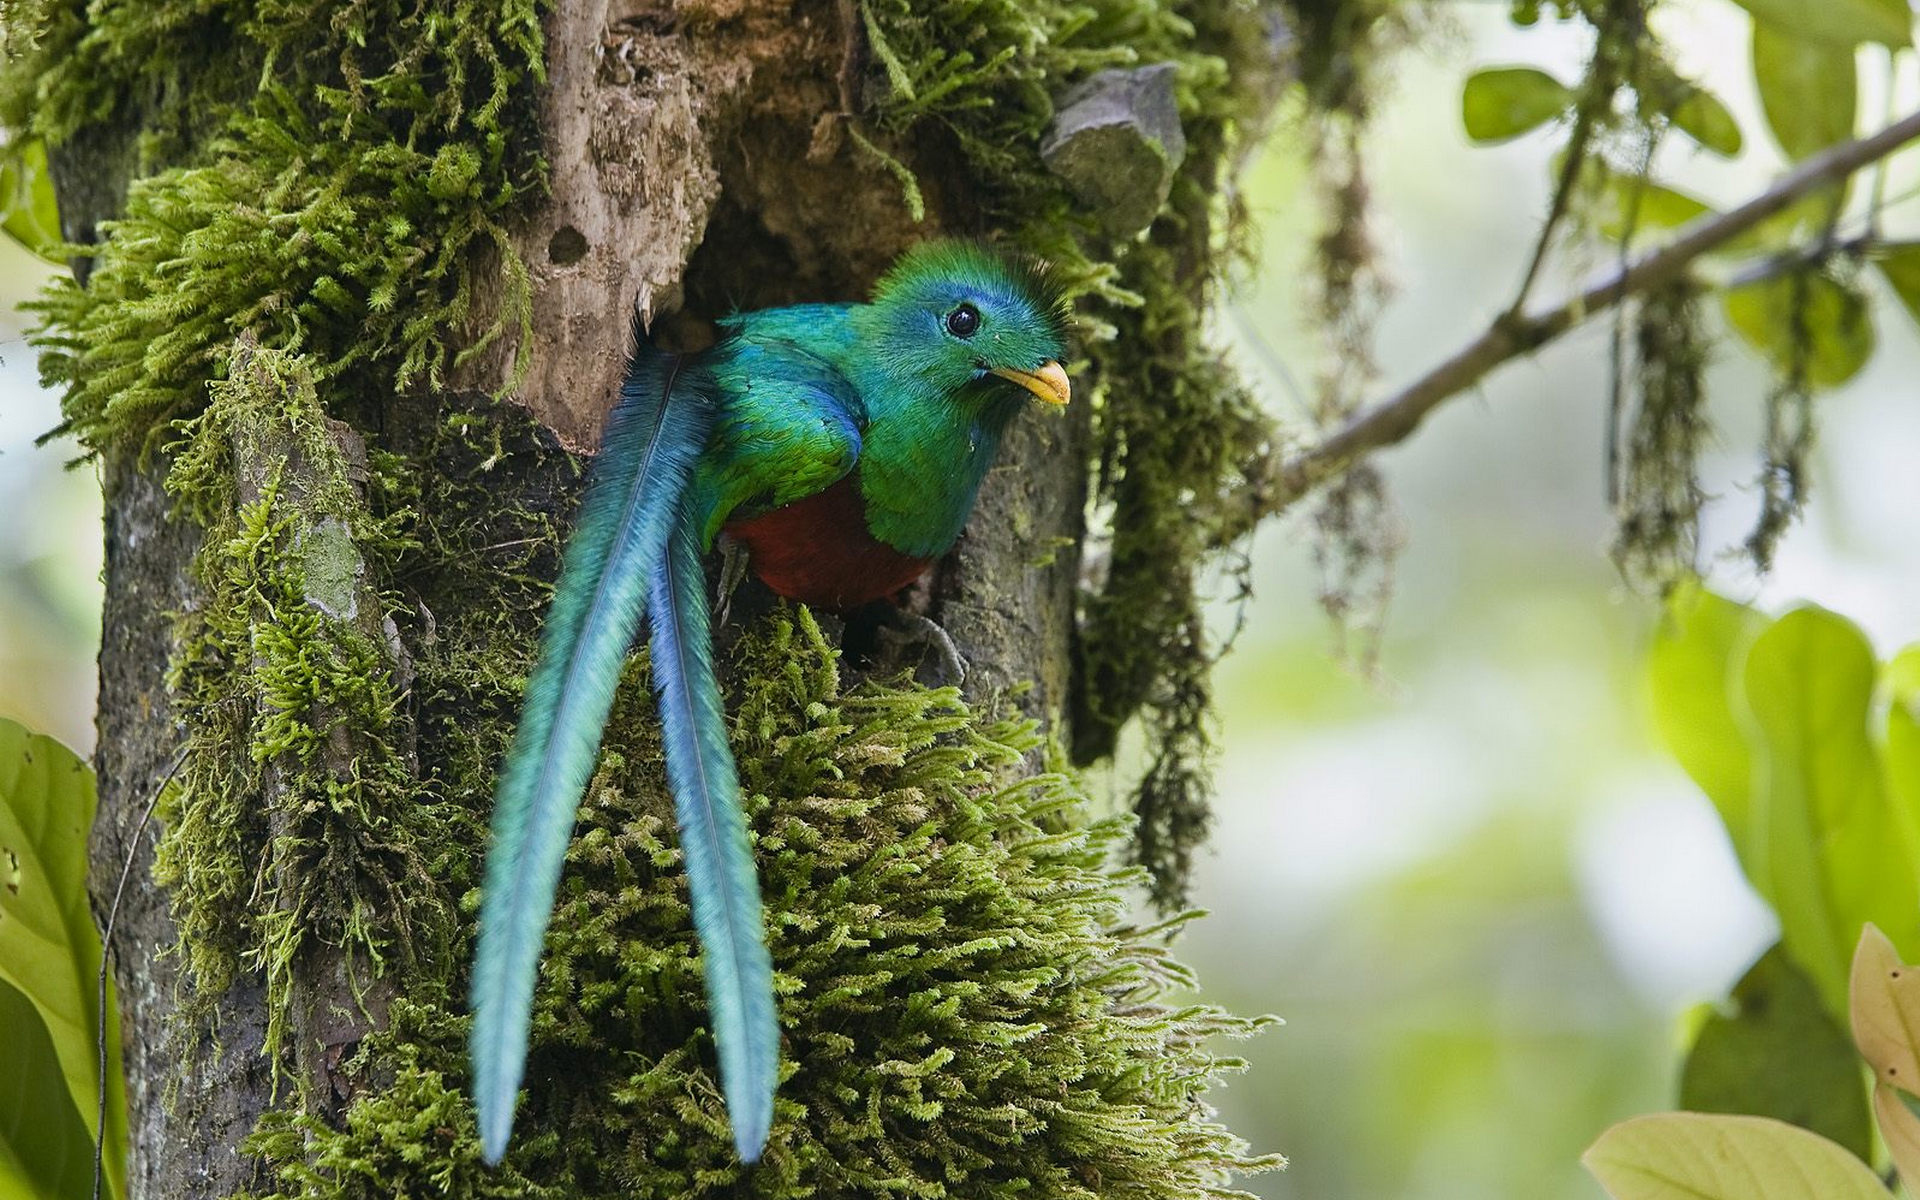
column 1277, row 481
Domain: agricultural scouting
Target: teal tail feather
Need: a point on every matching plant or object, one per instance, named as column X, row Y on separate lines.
column 654, row 436
column 713, row 839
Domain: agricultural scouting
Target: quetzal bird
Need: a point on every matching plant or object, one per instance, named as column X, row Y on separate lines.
column 841, row 445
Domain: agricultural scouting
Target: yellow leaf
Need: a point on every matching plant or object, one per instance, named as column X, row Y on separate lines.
column 1899, row 1128
column 1884, row 1003
column 1702, row 1156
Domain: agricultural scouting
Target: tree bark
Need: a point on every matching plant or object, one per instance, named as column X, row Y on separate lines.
column 187, row 1110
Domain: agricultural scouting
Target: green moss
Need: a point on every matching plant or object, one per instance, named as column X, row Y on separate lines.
column 333, row 178
column 296, row 816
column 113, row 64
column 965, row 1010
column 410, row 1139
column 351, row 183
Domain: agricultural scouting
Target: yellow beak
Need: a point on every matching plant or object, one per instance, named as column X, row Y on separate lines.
column 1049, row 383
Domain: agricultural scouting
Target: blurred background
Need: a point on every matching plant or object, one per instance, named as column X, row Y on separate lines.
column 49, row 537
column 1477, row 891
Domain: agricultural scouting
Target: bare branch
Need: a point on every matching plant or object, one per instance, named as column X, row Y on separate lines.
column 1274, row 486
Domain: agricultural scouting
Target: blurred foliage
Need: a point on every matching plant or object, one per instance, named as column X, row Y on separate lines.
column 1807, row 324
column 1413, row 903
column 1504, row 102
column 49, row 964
column 1839, row 22
column 1772, row 718
column 1779, row 1054
column 1696, row 1156
column 1807, row 90
column 1693, row 1156
column 29, row 214
column 50, row 543
column 1900, row 263
column 1775, row 720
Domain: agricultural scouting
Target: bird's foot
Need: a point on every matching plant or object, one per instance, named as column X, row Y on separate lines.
column 903, row 628
column 733, row 572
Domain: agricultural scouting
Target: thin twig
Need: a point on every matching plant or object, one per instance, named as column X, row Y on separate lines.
column 1274, row 486
column 106, row 948
column 1595, row 102
column 1562, row 202
column 1793, row 262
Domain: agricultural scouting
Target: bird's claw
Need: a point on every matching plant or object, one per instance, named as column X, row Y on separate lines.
column 733, row 572
column 911, row 628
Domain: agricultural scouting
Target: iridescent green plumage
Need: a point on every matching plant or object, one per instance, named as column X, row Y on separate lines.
column 843, row 446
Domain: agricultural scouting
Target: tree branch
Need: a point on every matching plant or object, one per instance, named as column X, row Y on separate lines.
column 1273, row 486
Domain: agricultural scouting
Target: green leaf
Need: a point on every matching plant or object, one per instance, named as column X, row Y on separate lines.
column 28, row 212
column 1505, row 102
column 1900, row 263
column 1655, row 207
column 1692, row 669
column 1837, row 22
column 1697, row 1156
column 1902, row 752
column 45, row 1149
column 1642, row 204
column 1832, row 854
column 1702, row 117
column 1834, row 322
column 49, row 949
column 1807, row 90
column 1779, row 1054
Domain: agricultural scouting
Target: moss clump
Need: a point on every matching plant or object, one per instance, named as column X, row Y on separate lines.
column 411, row 1139
column 1174, row 428
column 337, row 212
column 296, row 819
column 965, row 1011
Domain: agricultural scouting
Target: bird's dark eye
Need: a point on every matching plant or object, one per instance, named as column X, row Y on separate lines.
column 962, row 321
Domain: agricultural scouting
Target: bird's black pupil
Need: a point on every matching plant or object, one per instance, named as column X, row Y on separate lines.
column 962, row 321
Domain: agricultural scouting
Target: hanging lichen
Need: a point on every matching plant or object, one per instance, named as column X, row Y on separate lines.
column 1343, row 49
column 1658, row 485
column 1788, row 440
column 1808, row 322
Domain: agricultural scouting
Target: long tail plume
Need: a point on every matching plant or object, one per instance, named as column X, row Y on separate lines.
column 713, row 839
column 654, row 436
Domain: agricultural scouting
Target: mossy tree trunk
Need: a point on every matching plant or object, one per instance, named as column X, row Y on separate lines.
column 324, row 583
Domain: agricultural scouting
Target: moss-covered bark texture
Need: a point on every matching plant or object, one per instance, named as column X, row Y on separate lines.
column 352, row 282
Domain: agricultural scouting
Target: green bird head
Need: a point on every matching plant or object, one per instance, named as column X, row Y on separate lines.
column 958, row 317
